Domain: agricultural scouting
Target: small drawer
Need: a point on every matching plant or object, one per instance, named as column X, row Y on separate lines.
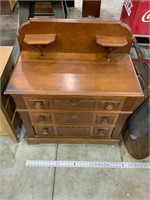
column 102, row 132
column 37, row 103
column 73, row 117
column 109, row 105
column 73, row 131
column 43, row 131
column 74, row 103
column 105, row 119
column 41, row 118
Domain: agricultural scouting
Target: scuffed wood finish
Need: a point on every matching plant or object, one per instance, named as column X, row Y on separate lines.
column 73, row 94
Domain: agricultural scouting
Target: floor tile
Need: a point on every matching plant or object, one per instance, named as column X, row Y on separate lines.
column 7, row 42
column 29, row 183
column 92, row 183
column 7, row 152
column 105, row 184
column 91, row 152
column 8, row 34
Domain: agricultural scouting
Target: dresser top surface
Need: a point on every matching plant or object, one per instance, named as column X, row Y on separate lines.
column 74, row 74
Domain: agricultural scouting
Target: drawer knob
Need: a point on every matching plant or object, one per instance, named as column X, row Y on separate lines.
column 38, row 105
column 45, row 131
column 74, row 101
column 105, row 120
column 109, row 107
column 41, row 118
column 74, row 116
column 101, row 132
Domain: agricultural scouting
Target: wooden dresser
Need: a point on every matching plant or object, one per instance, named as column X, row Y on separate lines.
column 74, row 81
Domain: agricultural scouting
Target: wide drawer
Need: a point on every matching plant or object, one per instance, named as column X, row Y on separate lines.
column 73, row 117
column 43, row 131
column 40, row 117
column 74, row 103
column 73, row 131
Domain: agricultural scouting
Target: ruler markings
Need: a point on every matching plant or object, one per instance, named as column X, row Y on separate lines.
column 86, row 164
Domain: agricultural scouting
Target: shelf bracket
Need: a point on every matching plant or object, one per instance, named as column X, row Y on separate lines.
column 39, row 40
column 110, row 43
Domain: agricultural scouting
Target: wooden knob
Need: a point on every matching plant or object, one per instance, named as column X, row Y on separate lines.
column 45, row 131
column 74, row 116
column 38, row 105
column 74, row 101
column 101, row 132
column 109, row 107
column 41, row 118
column 105, row 120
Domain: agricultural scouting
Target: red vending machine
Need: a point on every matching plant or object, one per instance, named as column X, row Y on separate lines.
column 136, row 13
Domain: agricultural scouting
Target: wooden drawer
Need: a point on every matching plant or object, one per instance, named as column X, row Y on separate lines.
column 40, row 117
column 73, row 131
column 110, row 105
column 102, row 132
column 73, row 117
column 106, row 119
column 43, row 131
column 43, row 7
column 37, row 103
column 74, row 103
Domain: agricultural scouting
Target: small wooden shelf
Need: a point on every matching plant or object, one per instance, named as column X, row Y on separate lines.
column 37, row 39
column 110, row 43
column 41, row 40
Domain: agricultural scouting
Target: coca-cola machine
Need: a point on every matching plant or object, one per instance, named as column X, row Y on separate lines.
column 136, row 13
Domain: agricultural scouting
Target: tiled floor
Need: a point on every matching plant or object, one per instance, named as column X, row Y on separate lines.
column 19, row 182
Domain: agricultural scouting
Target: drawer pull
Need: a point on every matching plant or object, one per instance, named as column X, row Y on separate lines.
column 41, row 118
column 109, row 107
column 74, row 101
column 74, row 116
column 38, row 105
column 45, row 131
column 101, row 132
column 105, row 120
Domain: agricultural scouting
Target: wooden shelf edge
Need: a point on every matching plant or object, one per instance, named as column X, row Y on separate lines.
column 109, row 41
column 39, row 39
